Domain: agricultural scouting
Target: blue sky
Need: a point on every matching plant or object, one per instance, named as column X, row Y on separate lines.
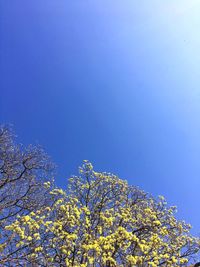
column 115, row 82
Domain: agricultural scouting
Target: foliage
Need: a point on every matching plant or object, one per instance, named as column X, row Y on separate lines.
column 101, row 221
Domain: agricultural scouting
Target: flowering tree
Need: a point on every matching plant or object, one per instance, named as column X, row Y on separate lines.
column 101, row 221
column 22, row 174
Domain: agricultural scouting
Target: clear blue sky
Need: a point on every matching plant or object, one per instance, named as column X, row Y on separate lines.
column 115, row 82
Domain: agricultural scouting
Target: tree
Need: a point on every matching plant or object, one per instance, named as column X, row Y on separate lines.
column 102, row 221
column 22, row 174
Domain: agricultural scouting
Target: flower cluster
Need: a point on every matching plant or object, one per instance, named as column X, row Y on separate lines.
column 102, row 221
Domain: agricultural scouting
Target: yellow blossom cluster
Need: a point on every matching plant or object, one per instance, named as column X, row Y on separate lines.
column 102, row 221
